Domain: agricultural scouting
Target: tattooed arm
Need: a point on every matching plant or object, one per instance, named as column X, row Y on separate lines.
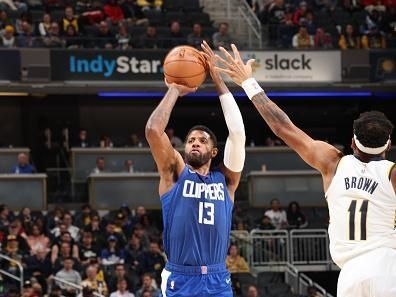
column 169, row 161
column 318, row 154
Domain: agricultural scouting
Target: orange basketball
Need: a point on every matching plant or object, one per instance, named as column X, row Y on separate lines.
column 185, row 65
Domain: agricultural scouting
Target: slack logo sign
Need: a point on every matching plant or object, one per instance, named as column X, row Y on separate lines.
column 109, row 66
column 277, row 63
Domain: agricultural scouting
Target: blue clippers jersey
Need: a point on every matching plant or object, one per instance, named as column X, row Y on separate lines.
column 197, row 214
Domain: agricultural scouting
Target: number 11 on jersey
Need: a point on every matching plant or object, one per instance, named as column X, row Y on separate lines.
column 363, row 219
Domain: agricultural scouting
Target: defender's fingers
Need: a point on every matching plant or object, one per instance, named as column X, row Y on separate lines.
column 227, row 55
column 237, row 55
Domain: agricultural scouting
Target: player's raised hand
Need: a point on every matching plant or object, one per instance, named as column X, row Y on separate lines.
column 233, row 66
column 211, row 60
column 181, row 89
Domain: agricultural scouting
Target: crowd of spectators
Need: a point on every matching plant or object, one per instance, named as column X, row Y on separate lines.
column 108, row 24
column 328, row 24
column 110, row 254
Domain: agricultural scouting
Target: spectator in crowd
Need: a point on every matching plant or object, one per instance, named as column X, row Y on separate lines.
column 128, row 166
column 39, row 266
column 175, row 36
column 150, row 4
column 123, row 225
column 300, row 14
column 4, row 19
column 374, row 39
column 236, row 263
column 82, row 140
column 375, row 5
column 5, row 216
column 113, row 254
column 141, row 233
column 83, row 217
column 7, row 39
column 72, row 38
column 37, row 241
column 122, row 290
column 222, row 37
column 93, row 283
column 252, row 291
column 277, row 215
column 27, row 290
column 69, row 19
column 70, row 275
column 302, row 40
column 150, row 228
column 349, row 39
column 54, row 217
column 134, row 254
column 16, row 229
column 100, row 165
column 87, row 249
column 295, row 218
column 139, row 212
column 53, row 38
column 124, row 39
column 67, row 220
column 374, row 23
column 23, row 166
column 120, row 275
column 105, row 141
column 265, row 224
column 105, row 40
column 44, row 25
column 150, row 38
column 113, row 11
column 147, row 285
column 153, row 261
column 309, row 22
column 111, row 229
column 322, row 40
column 61, row 252
column 134, row 141
column 175, row 140
column 196, row 37
column 13, row 251
column 96, row 229
column 14, row 5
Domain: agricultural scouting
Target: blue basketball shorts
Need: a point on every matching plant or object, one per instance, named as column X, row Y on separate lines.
column 196, row 281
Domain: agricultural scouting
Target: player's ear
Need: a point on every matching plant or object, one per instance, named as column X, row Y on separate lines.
column 214, row 152
column 353, row 144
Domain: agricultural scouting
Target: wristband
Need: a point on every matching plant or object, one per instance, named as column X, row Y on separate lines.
column 226, row 96
column 251, row 87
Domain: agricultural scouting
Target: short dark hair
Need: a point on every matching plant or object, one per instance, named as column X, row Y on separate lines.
column 205, row 129
column 372, row 129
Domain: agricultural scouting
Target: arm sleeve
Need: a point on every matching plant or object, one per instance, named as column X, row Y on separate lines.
column 234, row 152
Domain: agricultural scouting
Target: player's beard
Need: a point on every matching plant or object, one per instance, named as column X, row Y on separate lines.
column 197, row 160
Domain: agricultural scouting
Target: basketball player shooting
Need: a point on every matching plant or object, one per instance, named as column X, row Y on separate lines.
column 197, row 202
column 360, row 188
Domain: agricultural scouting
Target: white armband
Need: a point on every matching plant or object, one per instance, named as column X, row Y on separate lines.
column 251, row 87
column 234, row 151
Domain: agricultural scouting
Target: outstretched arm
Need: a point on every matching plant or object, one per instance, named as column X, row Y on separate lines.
column 169, row 162
column 234, row 151
column 318, row 154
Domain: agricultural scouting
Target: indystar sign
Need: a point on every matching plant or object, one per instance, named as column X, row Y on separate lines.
column 296, row 66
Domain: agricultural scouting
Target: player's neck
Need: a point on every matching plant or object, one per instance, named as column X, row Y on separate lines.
column 366, row 158
column 203, row 170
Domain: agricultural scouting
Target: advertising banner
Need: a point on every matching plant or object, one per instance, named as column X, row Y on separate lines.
column 140, row 65
column 10, row 61
column 295, row 66
column 383, row 65
column 112, row 65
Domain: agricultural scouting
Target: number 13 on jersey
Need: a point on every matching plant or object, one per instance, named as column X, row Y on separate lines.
column 206, row 213
column 354, row 218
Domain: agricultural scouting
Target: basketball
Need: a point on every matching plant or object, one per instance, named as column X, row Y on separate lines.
column 185, row 65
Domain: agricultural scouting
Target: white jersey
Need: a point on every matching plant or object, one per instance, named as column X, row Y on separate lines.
column 362, row 208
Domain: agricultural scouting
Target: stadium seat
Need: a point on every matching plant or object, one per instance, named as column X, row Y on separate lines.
column 154, row 17
column 172, row 5
column 192, row 5
column 200, row 17
column 175, row 16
